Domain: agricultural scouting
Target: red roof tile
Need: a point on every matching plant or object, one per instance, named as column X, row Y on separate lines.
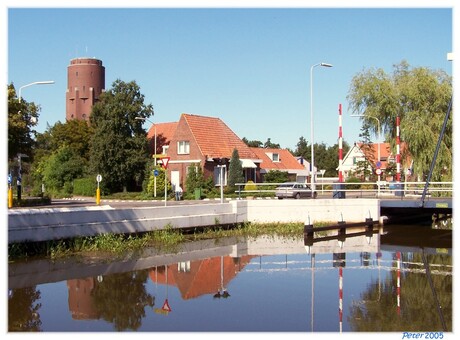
column 167, row 130
column 215, row 138
column 287, row 160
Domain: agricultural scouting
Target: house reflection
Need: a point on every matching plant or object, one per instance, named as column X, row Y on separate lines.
column 200, row 277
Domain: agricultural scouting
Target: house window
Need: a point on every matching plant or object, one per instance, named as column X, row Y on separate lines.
column 183, row 147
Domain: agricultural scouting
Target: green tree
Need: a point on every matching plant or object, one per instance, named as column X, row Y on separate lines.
column 160, row 179
column 276, row 176
column 195, row 179
column 60, row 169
column 235, row 170
column 252, row 143
column 420, row 97
column 119, row 147
column 75, row 133
column 22, row 118
column 269, row 145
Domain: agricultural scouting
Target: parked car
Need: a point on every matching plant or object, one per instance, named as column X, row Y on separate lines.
column 294, row 190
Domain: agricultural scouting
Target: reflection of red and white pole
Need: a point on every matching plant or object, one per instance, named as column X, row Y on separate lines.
column 398, row 281
column 398, row 154
column 340, row 298
column 340, row 144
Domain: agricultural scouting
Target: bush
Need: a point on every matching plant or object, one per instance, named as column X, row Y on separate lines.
column 353, row 186
column 84, row 186
column 250, row 186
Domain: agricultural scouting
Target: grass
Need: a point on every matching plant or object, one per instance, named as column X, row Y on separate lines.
column 118, row 245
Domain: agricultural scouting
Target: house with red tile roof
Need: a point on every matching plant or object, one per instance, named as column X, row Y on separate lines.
column 360, row 152
column 209, row 143
column 282, row 160
column 163, row 132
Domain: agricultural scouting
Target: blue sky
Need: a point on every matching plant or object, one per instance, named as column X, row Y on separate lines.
column 248, row 66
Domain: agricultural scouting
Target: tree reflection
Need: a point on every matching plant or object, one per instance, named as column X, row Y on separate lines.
column 377, row 310
column 121, row 299
column 23, row 313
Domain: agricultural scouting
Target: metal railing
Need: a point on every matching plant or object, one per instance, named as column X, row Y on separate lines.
column 359, row 189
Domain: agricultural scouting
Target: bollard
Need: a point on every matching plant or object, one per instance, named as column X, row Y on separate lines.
column 98, row 196
column 10, row 197
column 342, row 229
column 308, row 230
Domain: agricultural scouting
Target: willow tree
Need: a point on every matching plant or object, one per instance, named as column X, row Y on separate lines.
column 420, row 97
column 119, row 146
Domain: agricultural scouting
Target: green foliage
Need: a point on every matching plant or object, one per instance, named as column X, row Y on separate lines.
column 326, row 158
column 351, row 186
column 420, row 97
column 235, row 170
column 22, row 118
column 194, row 180
column 252, row 143
column 269, row 145
column 60, row 169
column 276, row 176
column 160, row 181
column 85, row 186
column 119, row 147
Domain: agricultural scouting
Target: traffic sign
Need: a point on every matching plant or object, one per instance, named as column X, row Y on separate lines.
column 98, row 178
column 156, row 172
column 378, row 164
column 165, row 161
column 378, row 171
column 10, row 179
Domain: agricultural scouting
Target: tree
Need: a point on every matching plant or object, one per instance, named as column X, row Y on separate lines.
column 235, row 170
column 195, row 178
column 119, row 147
column 276, row 176
column 22, row 118
column 60, row 169
column 269, row 145
column 326, row 157
column 252, row 143
column 420, row 97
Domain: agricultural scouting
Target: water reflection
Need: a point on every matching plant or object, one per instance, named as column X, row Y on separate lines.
column 366, row 281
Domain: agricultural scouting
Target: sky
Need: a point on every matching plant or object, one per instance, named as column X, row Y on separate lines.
column 249, row 66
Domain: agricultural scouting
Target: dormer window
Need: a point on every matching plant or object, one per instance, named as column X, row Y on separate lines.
column 183, row 147
column 274, row 157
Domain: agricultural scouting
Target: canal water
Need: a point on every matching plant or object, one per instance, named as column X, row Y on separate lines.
column 392, row 279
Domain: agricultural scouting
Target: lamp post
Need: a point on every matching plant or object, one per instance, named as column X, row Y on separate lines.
column 378, row 148
column 311, row 125
column 154, row 152
column 46, row 82
column 19, row 181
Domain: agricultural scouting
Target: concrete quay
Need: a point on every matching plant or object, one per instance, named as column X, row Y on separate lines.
column 34, row 225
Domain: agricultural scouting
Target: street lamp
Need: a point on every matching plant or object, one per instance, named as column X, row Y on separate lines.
column 19, row 181
column 46, row 82
column 154, row 152
column 311, row 125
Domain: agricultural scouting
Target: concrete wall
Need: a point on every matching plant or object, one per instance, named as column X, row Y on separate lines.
column 26, row 225
column 308, row 211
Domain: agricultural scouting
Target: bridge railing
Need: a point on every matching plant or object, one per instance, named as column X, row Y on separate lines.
column 358, row 189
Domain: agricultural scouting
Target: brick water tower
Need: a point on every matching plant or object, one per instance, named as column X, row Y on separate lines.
column 85, row 82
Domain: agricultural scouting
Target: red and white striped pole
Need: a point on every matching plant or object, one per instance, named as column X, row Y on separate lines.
column 340, row 298
column 398, row 282
column 340, row 145
column 398, row 153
